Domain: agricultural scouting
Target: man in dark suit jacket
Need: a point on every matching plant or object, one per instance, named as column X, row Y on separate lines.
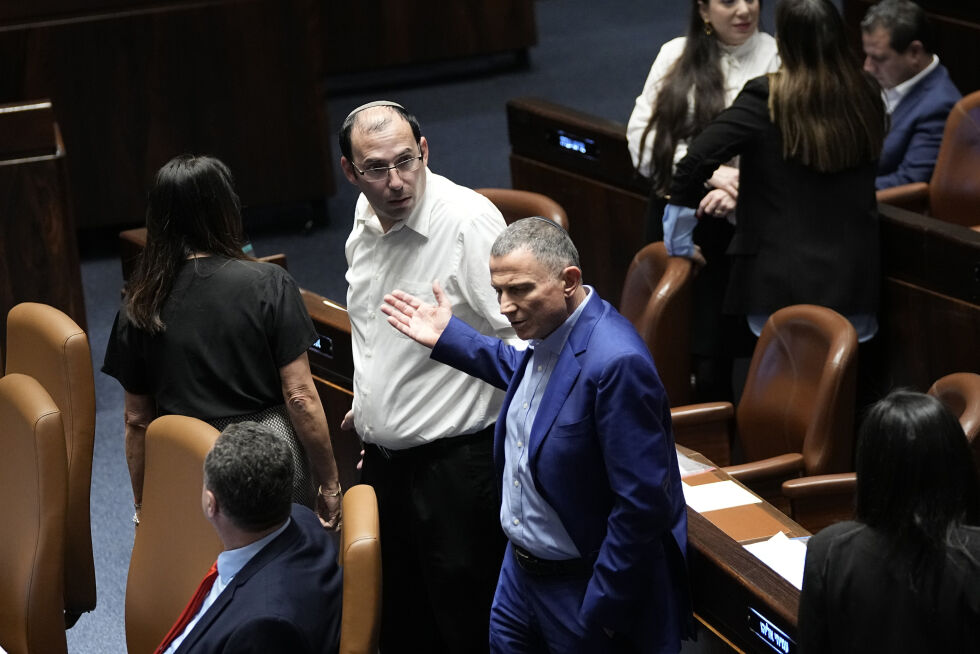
column 918, row 92
column 591, row 494
column 278, row 585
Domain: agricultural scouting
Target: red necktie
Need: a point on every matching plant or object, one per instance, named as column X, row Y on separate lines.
column 191, row 609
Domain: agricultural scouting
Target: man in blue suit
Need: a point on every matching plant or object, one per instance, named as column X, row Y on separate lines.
column 591, row 498
column 918, row 92
column 278, row 585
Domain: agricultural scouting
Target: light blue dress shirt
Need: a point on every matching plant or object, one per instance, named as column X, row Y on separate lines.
column 526, row 518
column 230, row 563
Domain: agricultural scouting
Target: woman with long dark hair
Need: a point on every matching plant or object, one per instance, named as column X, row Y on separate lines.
column 808, row 137
column 905, row 576
column 693, row 78
column 205, row 331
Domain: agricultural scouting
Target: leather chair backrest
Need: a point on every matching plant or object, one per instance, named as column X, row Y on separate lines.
column 49, row 346
column 34, row 487
column 657, row 300
column 515, row 205
column 174, row 544
column 800, row 391
column 360, row 556
column 960, row 392
column 954, row 190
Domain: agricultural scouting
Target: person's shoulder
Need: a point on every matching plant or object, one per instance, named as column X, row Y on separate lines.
column 460, row 207
column 835, row 534
column 673, row 48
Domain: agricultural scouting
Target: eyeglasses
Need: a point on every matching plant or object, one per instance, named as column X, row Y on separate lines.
column 380, row 173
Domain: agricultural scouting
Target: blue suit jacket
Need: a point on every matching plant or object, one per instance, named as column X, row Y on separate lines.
column 916, row 132
column 286, row 599
column 602, row 455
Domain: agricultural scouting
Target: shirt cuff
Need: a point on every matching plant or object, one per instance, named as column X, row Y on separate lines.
column 679, row 223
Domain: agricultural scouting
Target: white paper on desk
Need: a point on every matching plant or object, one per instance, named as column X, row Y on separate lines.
column 690, row 467
column 784, row 555
column 717, row 495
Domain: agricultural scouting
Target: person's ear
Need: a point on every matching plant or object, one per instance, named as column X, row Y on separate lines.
column 424, row 147
column 703, row 9
column 571, row 280
column 349, row 171
column 210, row 505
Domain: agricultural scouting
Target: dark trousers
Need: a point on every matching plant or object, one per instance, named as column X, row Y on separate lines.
column 441, row 543
column 539, row 615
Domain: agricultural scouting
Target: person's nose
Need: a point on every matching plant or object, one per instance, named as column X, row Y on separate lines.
column 869, row 66
column 742, row 9
column 507, row 307
column 394, row 179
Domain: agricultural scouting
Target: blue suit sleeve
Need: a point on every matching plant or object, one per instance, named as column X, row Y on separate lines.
column 679, row 224
column 921, row 153
column 484, row 357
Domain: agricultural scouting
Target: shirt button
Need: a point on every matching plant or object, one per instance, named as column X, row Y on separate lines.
column 525, row 405
column 517, row 484
column 516, row 521
column 540, row 368
column 520, row 443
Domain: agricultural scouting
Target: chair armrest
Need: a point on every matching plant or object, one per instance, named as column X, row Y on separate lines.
column 706, row 428
column 841, row 483
column 784, row 465
column 912, row 197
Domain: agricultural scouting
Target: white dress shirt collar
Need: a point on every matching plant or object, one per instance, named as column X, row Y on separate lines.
column 895, row 94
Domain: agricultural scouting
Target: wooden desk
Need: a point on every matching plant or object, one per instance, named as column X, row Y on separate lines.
column 726, row 580
column 38, row 252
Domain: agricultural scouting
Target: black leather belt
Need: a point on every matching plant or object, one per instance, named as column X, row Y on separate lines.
column 436, row 447
column 549, row 567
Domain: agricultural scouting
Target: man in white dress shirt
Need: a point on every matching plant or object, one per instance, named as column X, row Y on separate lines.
column 427, row 429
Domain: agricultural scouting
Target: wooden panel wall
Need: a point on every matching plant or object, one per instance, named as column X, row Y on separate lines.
column 136, row 83
column 363, row 36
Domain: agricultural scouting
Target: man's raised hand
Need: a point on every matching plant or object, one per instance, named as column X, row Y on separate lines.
column 416, row 319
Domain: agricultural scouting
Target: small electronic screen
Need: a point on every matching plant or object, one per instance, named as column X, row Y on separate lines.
column 573, row 143
column 770, row 634
column 323, row 345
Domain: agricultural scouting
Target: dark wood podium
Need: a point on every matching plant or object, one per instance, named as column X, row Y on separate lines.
column 38, row 253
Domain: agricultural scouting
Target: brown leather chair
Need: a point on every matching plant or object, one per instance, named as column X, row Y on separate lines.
column 657, row 300
column 360, row 556
column 49, row 346
column 953, row 193
column 174, row 544
column 515, row 205
column 34, row 485
column 822, row 500
column 796, row 414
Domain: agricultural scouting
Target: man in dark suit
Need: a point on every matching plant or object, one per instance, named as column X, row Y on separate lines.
column 591, row 496
column 278, row 585
column 918, row 92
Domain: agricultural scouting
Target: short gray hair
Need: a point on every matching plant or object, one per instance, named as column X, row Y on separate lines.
column 546, row 240
column 905, row 22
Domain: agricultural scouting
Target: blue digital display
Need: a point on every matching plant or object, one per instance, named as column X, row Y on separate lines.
column 770, row 634
column 569, row 143
column 577, row 144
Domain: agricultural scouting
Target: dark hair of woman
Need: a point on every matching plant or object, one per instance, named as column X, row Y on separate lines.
column 191, row 209
column 916, row 481
column 698, row 68
column 828, row 111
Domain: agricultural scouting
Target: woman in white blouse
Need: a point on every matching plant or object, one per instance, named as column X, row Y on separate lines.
column 692, row 79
